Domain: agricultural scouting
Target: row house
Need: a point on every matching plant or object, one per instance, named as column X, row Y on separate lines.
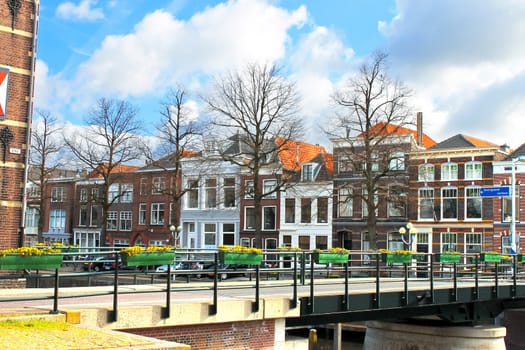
column 509, row 172
column 445, row 189
column 350, row 228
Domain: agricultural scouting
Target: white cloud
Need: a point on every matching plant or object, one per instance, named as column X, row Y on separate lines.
column 82, row 11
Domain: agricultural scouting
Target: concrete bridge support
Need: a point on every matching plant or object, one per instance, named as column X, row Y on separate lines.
column 402, row 336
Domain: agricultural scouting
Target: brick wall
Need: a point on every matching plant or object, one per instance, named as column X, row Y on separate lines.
column 16, row 54
column 253, row 335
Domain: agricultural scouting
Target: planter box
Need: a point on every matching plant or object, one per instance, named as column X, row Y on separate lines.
column 496, row 258
column 391, row 258
column 240, row 258
column 334, row 258
column 447, row 258
column 521, row 258
column 34, row 262
column 148, row 258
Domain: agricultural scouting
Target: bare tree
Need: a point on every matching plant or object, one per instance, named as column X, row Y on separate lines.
column 260, row 108
column 372, row 110
column 179, row 131
column 45, row 146
column 111, row 139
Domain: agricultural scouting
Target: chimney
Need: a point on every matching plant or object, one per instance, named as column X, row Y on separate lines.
column 419, row 126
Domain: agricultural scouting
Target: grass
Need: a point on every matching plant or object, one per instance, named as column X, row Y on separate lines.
column 37, row 334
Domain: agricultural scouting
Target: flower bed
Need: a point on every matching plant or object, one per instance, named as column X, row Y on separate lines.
column 137, row 256
column 239, row 255
column 490, row 257
column 396, row 256
column 331, row 255
column 448, row 257
column 27, row 258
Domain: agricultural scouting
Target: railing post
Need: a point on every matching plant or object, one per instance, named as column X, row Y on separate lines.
column 347, row 299
column 455, row 291
column 293, row 303
column 303, row 267
column 55, row 296
column 166, row 311
column 311, row 301
column 514, row 274
column 476, row 278
column 405, row 292
column 378, row 295
column 255, row 305
column 213, row 308
column 495, row 292
column 114, row 313
column 431, row 274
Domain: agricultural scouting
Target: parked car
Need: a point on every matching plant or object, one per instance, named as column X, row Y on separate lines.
column 225, row 271
column 98, row 263
column 179, row 265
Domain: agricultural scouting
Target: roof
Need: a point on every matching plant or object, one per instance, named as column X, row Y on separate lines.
column 294, row 154
column 463, row 141
column 383, row 128
column 518, row 152
column 118, row 169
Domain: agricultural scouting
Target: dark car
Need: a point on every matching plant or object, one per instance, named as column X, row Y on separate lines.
column 98, row 263
column 225, row 271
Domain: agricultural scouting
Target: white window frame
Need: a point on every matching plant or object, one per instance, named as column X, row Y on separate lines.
column 269, row 186
column 423, row 198
column 472, row 193
column 397, row 161
column 126, row 193
column 473, row 239
column 473, row 170
column 157, row 214
column 113, row 193
column 125, row 220
column 192, row 194
column 246, row 209
column 207, row 232
column 264, row 209
column 58, row 194
column 158, row 185
column 112, row 220
column 229, row 192
column 448, row 242
column 210, row 193
column 449, row 171
column 307, row 172
column 83, row 195
column 445, row 196
column 143, row 209
column 425, row 172
column 345, row 207
column 249, row 189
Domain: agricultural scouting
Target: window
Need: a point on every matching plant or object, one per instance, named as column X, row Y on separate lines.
column 345, row 164
column 228, row 234
column 249, row 218
column 159, row 185
column 365, row 246
column 322, row 210
column 304, row 242
column 321, row 242
column 57, row 220
column 449, row 203
column 58, row 194
column 112, row 221
column 506, row 206
column 94, row 193
column 157, row 214
column 289, row 211
column 449, row 242
column 249, row 189
column 210, row 193
column 374, row 163
column 287, row 241
column 113, row 193
column 269, row 218
column 229, row 192
column 96, row 212
column 210, row 234
column 125, row 220
column 425, row 172
column 345, row 202
column 143, row 186
column 473, row 243
column 126, row 193
column 83, row 195
column 449, row 171
column 506, row 245
column 32, row 217
column 395, row 242
column 396, row 201
column 473, row 203
column 397, row 161
column 306, row 210
column 307, row 173
column 192, row 194
column 473, row 171
column 82, row 216
column 142, row 214
column 426, row 203
column 269, row 187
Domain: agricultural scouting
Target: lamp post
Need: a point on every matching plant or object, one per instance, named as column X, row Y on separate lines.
column 514, row 248
column 410, row 231
column 175, row 231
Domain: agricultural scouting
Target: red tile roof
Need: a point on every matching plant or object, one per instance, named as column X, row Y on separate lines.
column 120, row 168
column 479, row 142
column 383, row 128
column 293, row 154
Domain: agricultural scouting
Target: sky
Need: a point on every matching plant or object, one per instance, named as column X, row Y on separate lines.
column 463, row 60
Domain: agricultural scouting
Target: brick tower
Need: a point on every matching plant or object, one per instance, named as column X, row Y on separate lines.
column 18, row 28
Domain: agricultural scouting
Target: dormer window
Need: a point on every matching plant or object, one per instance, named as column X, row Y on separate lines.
column 307, row 173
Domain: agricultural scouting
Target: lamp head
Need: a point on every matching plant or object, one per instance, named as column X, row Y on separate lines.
column 172, row 228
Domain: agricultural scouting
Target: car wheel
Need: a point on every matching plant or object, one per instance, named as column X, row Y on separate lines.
column 198, row 276
column 224, row 276
column 96, row 268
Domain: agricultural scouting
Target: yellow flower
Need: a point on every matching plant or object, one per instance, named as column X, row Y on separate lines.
column 135, row 250
column 239, row 249
column 29, row 251
column 396, row 252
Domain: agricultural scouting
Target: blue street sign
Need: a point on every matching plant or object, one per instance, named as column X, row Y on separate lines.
column 498, row 191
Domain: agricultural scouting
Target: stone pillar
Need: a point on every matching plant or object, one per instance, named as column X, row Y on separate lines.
column 513, row 320
column 385, row 335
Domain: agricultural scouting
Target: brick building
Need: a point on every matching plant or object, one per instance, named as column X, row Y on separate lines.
column 18, row 38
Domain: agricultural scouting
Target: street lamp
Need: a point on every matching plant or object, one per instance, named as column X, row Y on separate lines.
column 175, row 236
column 410, row 231
column 514, row 249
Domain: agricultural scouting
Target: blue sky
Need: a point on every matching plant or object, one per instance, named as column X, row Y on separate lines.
column 463, row 60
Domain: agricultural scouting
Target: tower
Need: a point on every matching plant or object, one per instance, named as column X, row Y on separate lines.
column 18, row 39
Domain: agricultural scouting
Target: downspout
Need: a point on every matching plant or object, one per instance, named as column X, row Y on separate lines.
column 36, row 9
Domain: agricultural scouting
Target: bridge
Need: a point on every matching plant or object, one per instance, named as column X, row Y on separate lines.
column 292, row 293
